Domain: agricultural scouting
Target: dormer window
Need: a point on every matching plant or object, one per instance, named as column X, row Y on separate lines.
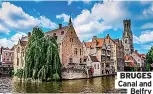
column 54, row 34
column 62, row 32
column 125, row 41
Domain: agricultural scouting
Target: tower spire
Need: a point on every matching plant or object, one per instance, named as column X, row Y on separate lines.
column 70, row 21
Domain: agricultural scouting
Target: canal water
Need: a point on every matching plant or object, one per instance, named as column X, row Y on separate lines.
column 96, row 85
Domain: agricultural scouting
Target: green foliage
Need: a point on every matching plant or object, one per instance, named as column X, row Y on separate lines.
column 19, row 73
column 42, row 57
column 11, row 73
column 149, row 56
column 148, row 67
column 149, row 59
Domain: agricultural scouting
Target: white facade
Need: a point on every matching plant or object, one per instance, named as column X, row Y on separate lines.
column 97, row 68
column 139, row 59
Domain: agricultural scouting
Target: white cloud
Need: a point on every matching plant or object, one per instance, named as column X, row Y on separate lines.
column 112, row 12
column 145, row 2
column 149, row 11
column 87, row 1
column 17, row 36
column 84, row 1
column 69, row 2
column 11, row 41
column 101, row 17
column 63, row 16
column 147, row 26
column 147, row 47
column 46, row 23
column 4, row 30
column 14, row 18
column 145, row 37
column 6, row 43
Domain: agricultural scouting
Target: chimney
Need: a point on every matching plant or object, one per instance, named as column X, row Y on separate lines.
column 107, row 36
column 94, row 38
column 60, row 26
column 29, row 34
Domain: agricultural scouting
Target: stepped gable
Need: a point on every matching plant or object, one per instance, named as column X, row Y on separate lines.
column 59, row 33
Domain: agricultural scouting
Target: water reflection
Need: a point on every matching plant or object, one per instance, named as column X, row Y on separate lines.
column 98, row 85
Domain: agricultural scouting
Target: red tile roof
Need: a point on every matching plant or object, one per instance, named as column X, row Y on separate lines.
column 130, row 60
column 88, row 44
column 140, row 55
column 99, row 41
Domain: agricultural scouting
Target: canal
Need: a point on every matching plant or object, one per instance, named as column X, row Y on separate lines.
column 97, row 85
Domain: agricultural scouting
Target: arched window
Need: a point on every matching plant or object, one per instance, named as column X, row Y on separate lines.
column 80, row 52
column 80, row 60
column 18, row 50
column 126, row 41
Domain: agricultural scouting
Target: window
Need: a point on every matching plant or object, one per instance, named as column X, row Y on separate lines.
column 72, row 39
column 17, row 61
column 18, row 50
column 80, row 60
column 55, row 37
column 6, row 54
column 103, row 51
column 75, row 51
column 70, row 60
column 54, row 34
column 107, row 65
column 98, row 66
column 80, row 52
column 125, row 41
column 103, row 58
column 102, row 64
column 95, row 66
column 84, row 60
column 62, row 32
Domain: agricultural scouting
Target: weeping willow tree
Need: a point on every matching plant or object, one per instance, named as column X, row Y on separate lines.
column 42, row 59
column 149, row 59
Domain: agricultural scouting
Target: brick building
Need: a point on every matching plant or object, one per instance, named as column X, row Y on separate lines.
column 140, row 60
column 119, row 55
column 7, row 56
column 70, row 47
column 109, row 52
column 19, row 53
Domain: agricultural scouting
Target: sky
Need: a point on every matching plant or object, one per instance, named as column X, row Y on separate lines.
column 90, row 18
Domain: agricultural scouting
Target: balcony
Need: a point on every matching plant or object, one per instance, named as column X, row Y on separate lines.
column 103, row 54
column 108, row 55
column 109, row 49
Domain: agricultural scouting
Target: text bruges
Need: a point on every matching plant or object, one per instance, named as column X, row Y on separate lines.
column 127, row 75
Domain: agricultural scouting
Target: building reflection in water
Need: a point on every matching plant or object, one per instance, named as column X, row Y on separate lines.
column 97, row 85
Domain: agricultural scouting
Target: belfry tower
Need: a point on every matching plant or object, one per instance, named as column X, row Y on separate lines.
column 127, row 39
